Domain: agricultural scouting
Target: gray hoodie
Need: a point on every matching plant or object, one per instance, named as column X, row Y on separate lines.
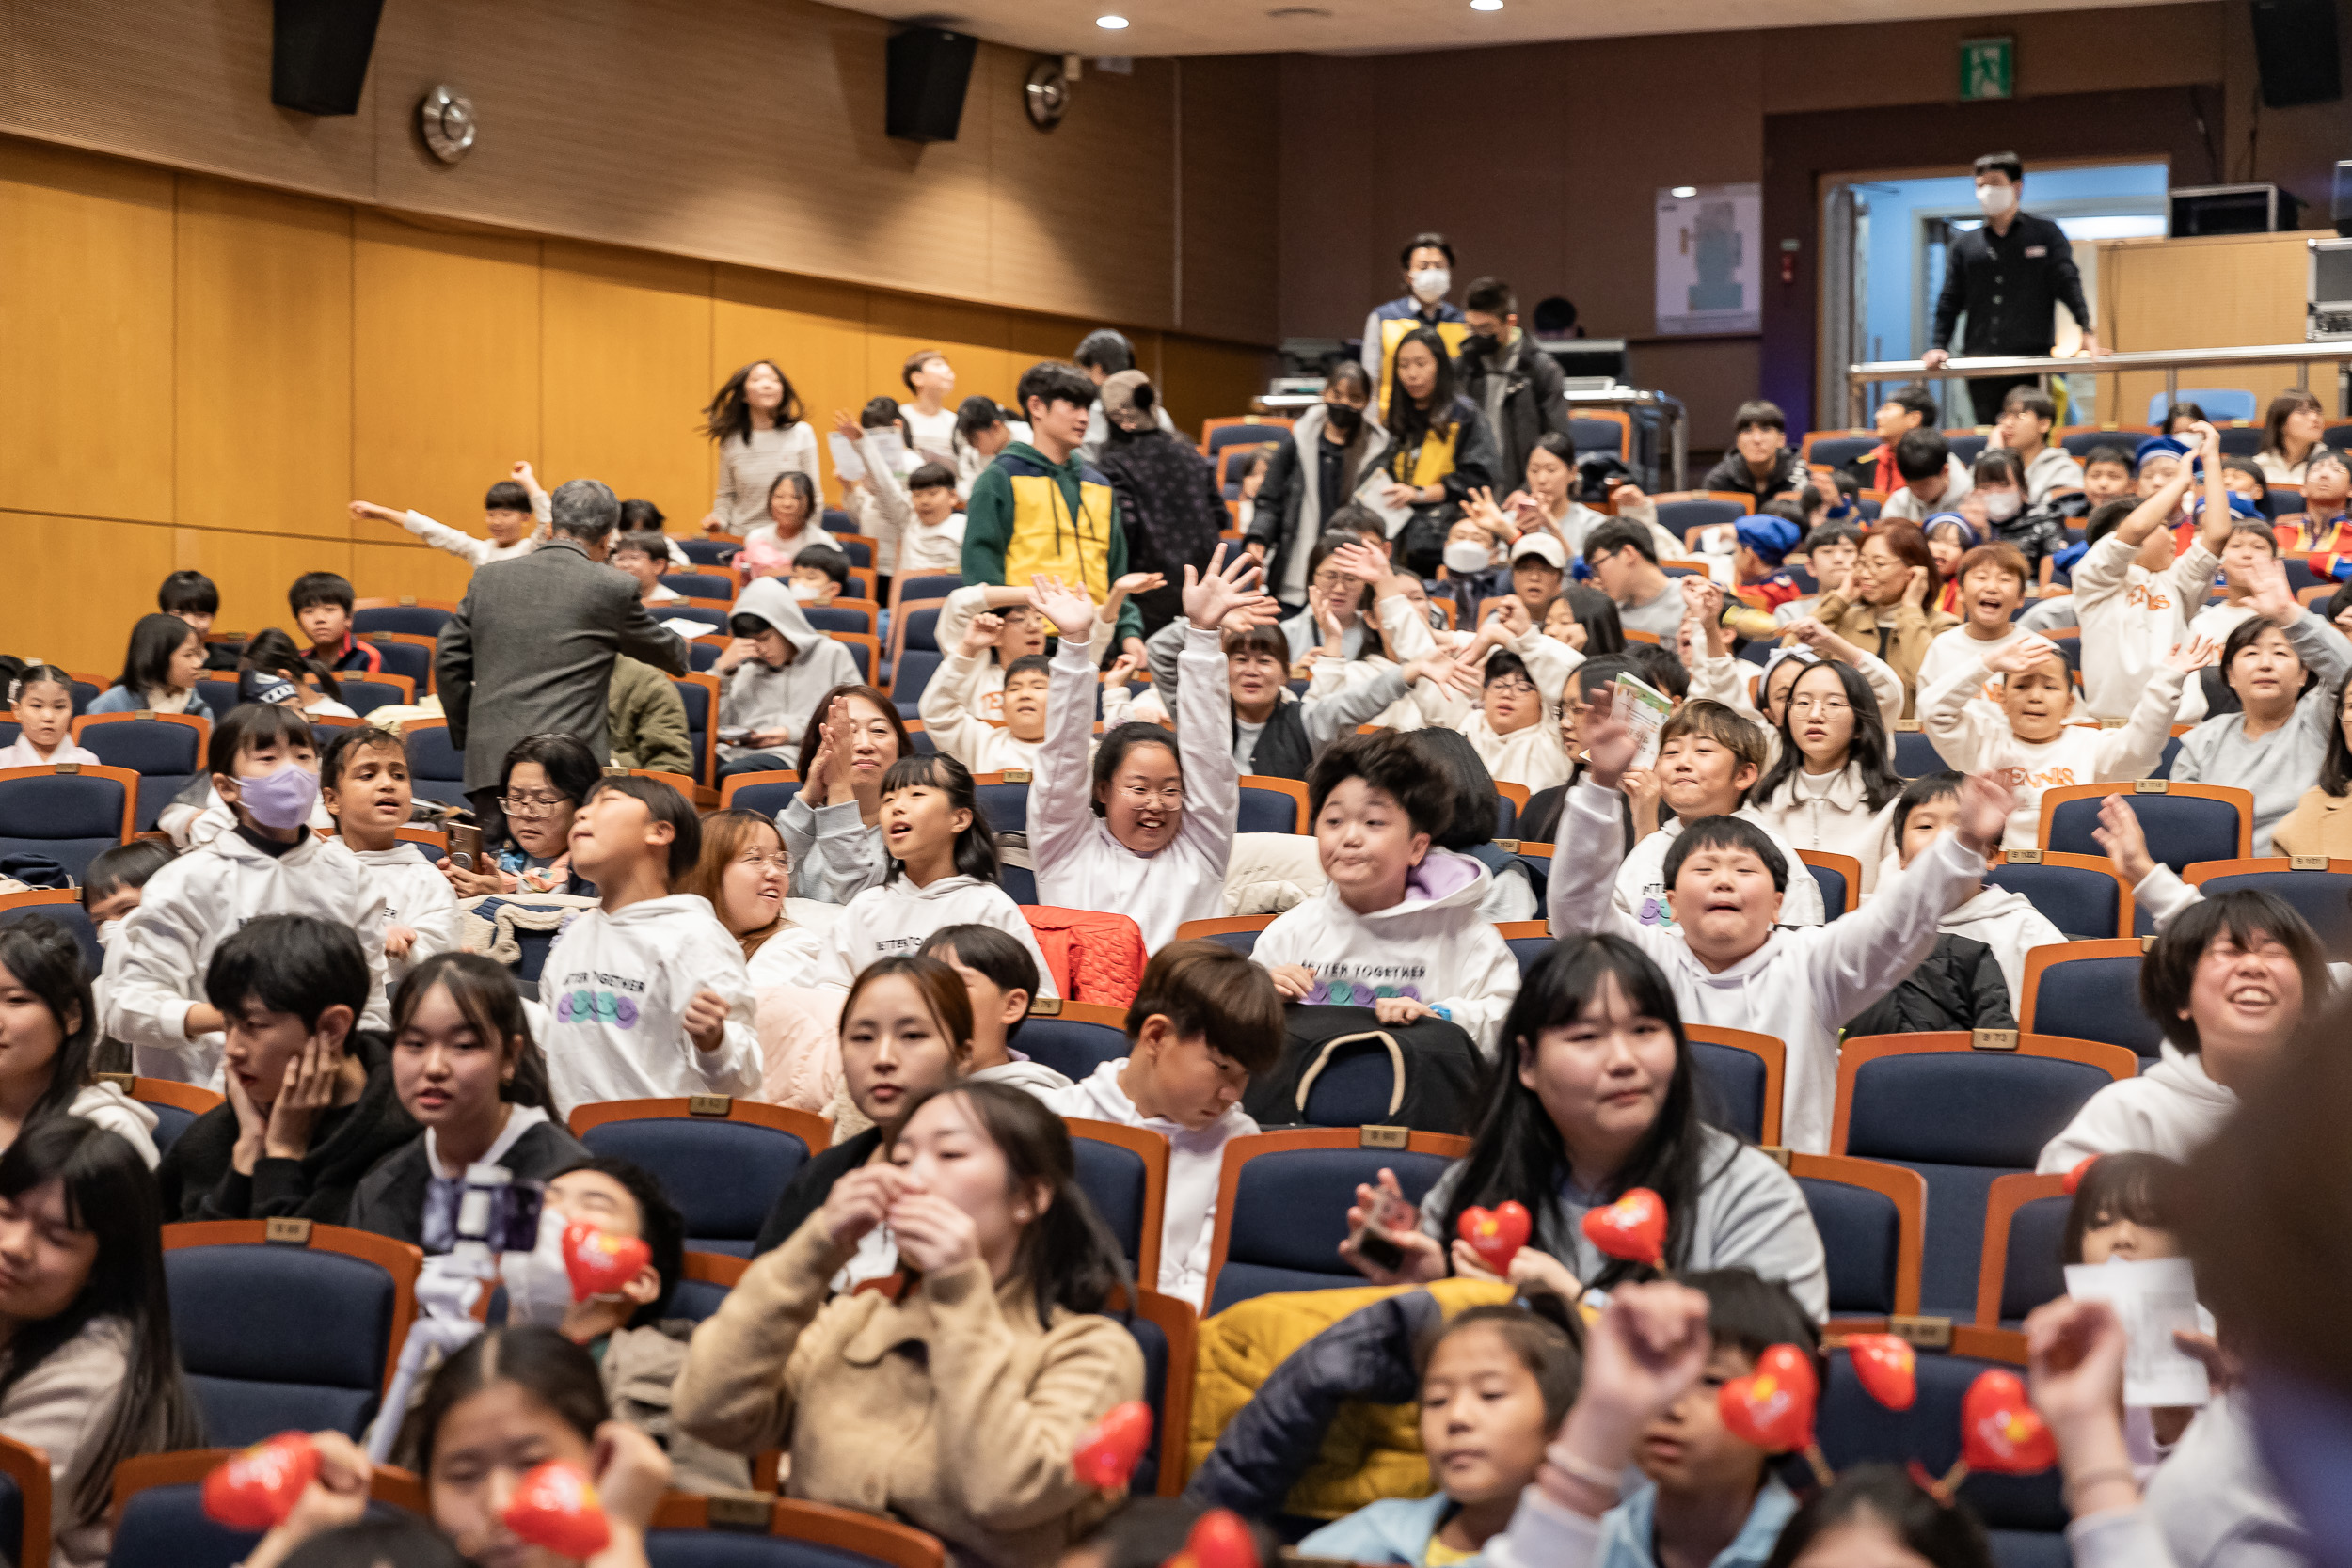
column 758, row 696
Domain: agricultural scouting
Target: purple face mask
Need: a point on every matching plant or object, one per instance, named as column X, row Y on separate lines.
column 282, row 799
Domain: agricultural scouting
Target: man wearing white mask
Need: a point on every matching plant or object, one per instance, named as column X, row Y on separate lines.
column 2006, row 274
column 1428, row 264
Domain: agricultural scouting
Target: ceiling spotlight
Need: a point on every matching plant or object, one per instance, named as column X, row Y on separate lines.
column 1486, row 5
column 1684, row 191
column 1112, row 22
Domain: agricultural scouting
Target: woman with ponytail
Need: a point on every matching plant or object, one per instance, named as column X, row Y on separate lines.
column 954, row 1406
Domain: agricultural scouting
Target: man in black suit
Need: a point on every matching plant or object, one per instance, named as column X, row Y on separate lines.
column 2008, row 274
column 530, row 649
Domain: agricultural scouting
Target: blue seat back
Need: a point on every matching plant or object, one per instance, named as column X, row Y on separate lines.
column 1600, row 435
column 1528, row 951
column 1005, row 806
column 1290, row 1215
column 2181, row 829
column 1961, row 1119
column 699, row 585
column 437, row 770
column 1246, row 434
column 2082, row 443
column 699, row 656
column 1916, row 755
column 837, row 521
column 1677, row 517
column 709, row 552
column 85, row 693
column 770, row 797
column 695, row 1299
column 2033, row 1267
column 1854, row 1429
column 922, row 628
column 1266, row 810
column 697, row 700
column 2096, row 999
column 416, row 620
column 1832, row 885
column 219, row 695
column 1838, row 450
column 2323, row 898
column 909, row 677
column 862, row 654
column 2080, row 902
column 1731, row 1086
column 170, row 1122
column 685, row 1153
column 1506, row 815
column 403, row 658
column 858, row 551
column 9, row 730
column 248, row 1321
column 1353, row 1089
column 1966, row 448
column 826, row 618
column 714, row 619
column 69, row 818
column 1153, row 1341
column 1245, row 943
column 164, row 756
column 1114, row 1179
column 1072, row 1047
column 928, row 585
column 1019, row 883
column 364, row 696
column 164, row 1526
column 2220, row 402
column 1862, row 1234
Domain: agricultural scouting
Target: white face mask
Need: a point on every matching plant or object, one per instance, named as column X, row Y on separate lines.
column 2001, row 505
column 1430, row 284
column 804, row 592
column 107, row 930
column 1465, row 556
column 1996, row 199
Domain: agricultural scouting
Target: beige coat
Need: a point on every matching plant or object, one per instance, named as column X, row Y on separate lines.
column 1906, row 642
column 60, row 1407
column 2320, row 824
column 952, row 1409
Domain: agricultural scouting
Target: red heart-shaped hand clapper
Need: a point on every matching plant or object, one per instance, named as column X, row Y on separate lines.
column 2000, row 1430
column 1497, row 1234
column 2080, row 1169
column 555, row 1506
column 1773, row 1407
column 1888, row 1367
column 1218, row 1539
column 1107, row 1451
column 256, row 1489
column 600, row 1263
column 1634, row 1228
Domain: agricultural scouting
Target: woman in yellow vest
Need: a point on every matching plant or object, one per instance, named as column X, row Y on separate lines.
column 1441, row 449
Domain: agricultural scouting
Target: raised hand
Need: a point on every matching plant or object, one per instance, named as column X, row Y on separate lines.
column 858, row 1200
column 1916, row 587
column 1423, row 1259
column 1225, row 587
column 1511, row 616
column 1984, row 806
column 1649, row 1347
column 1139, row 582
column 2119, row 833
column 1066, row 605
column 1122, row 671
column 845, row 426
column 368, row 512
column 2021, row 656
column 2271, row 598
column 2193, row 655
column 1443, row 669
column 1610, row 746
column 2075, row 1371
column 981, row 635
column 1362, row 562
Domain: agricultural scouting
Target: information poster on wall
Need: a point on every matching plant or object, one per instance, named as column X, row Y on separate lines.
column 1710, row 259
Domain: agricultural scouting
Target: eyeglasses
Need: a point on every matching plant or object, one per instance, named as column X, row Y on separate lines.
column 534, row 805
column 777, row 862
column 1825, row 706
column 1511, row 686
column 1171, row 795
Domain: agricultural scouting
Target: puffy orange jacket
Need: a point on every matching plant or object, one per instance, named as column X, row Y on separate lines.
column 1095, row 956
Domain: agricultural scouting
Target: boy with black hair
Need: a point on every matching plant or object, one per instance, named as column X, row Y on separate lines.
column 321, row 602
column 1761, row 463
column 264, row 768
column 950, row 705
column 2026, row 414
column 364, row 784
column 926, row 517
column 819, row 575
column 771, row 677
column 1507, row 378
column 1398, row 924
column 1907, row 408
column 193, row 597
column 1203, row 1019
column 1708, row 758
column 1623, row 563
column 310, row 1103
column 2002, row 921
column 1001, row 976
column 516, row 514
column 115, row 879
column 1933, row 479
column 1830, row 553
column 2107, row 474
column 1102, row 353
column 645, row 557
column 1041, row 508
column 646, row 994
column 1727, row 955
column 982, row 430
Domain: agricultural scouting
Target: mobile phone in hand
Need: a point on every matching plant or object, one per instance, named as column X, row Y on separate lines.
column 465, row 845
column 1389, row 1213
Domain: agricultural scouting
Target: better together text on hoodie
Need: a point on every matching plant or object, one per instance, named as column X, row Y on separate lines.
column 758, row 696
column 616, row 988
column 1433, row 945
column 897, row 917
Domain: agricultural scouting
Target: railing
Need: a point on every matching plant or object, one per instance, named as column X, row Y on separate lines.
column 1672, row 463
column 2171, row 362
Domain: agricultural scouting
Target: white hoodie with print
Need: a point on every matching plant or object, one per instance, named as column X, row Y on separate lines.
column 758, row 696
column 617, row 989
column 1195, row 1158
column 155, row 968
column 415, row 895
column 1433, row 945
column 898, row 917
column 2131, row 618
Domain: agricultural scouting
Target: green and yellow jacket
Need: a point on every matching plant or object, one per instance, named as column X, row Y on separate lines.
column 1027, row 515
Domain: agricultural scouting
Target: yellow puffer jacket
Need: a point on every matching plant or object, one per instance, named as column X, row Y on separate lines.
column 1370, row 1451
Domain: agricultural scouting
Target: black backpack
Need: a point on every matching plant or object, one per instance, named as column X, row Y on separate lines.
column 1341, row 1066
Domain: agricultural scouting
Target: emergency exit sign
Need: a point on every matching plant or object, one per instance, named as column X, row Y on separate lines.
column 1988, row 69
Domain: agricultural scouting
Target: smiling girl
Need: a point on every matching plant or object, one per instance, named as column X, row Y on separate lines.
column 746, row 875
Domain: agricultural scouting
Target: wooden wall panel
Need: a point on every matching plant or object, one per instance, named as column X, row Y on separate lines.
column 625, row 357
column 1232, row 135
column 815, row 331
column 2204, row 293
column 92, row 578
column 85, row 314
column 381, row 571
column 252, row 571
column 445, row 366
column 263, row 309
column 972, row 337
column 1200, row 379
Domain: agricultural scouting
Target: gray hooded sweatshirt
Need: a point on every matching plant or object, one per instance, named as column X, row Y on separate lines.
column 759, row 697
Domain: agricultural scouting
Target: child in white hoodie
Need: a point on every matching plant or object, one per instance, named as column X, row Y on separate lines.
column 943, row 872
column 646, row 996
column 1203, row 1019
column 1726, row 958
column 1002, row 976
column 772, row 675
column 950, row 705
column 1146, row 829
column 1397, row 926
column 1708, row 757
column 264, row 768
column 363, row 779
column 2132, row 598
column 42, row 703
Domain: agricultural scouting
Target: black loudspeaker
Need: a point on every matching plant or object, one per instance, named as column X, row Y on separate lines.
column 929, row 68
column 319, row 53
column 2295, row 53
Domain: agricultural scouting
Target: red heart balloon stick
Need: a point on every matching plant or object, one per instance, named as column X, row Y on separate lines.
column 256, row 1489
column 1218, row 1539
column 2080, row 1169
column 1108, row 1451
column 2000, row 1430
column 1497, row 1234
column 1634, row 1228
column 600, row 1263
column 1773, row 1407
column 555, row 1506
column 1888, row 1367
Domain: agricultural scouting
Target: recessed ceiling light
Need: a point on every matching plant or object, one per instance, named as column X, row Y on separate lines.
column 1113, row 22
column 1486, row 5
column 1684, row 191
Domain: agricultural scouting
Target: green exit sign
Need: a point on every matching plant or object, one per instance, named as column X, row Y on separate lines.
column 1988, row 69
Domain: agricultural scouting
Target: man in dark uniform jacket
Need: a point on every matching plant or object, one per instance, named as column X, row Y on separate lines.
column 2008, row 274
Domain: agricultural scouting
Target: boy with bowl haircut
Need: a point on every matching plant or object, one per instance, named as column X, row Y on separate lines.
column 1001, row 976
column 1727, row 957
column 1203, row 1019
column 1397, row 927
column 1707, row 757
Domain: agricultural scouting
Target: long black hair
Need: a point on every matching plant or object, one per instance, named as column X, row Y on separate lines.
column 1517, row 1151
column 975, row 845
column 2335, row 769
column 550, row 1369
column 110, row 1193
column 729, row 415
column 1947, row 1535
column 47, row 961
column 1067, row 1255
column 146, row 662
column 1470, row 789
column 1407, row 423
column 482, row 992
column 1868, row 752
